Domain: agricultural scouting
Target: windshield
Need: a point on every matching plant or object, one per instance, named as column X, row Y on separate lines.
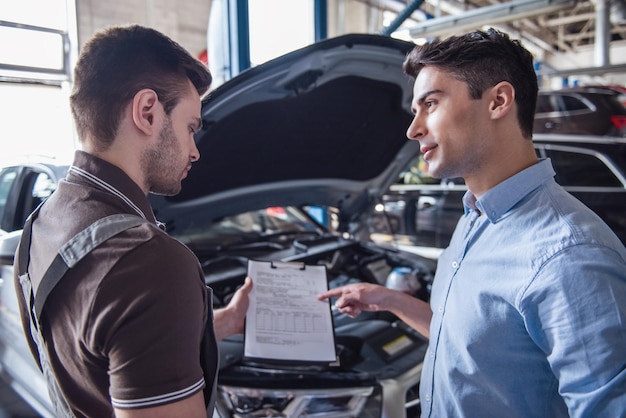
column 274, row 223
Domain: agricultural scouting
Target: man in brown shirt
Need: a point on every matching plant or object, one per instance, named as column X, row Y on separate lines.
column 126, row 327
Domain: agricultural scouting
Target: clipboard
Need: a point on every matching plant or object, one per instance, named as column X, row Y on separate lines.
column 285, row 323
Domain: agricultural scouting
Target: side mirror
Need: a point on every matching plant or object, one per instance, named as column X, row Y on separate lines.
column 8, row 247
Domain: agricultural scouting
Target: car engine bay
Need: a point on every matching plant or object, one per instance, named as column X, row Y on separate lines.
column 372, row 347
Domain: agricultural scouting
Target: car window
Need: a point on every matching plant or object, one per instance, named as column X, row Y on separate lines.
column 572, row 168
column 617, row 104
column 544, row 104
column 571, row 103
column 37, row 187
column 43, row 186
column 581, row 169
column 7, row 177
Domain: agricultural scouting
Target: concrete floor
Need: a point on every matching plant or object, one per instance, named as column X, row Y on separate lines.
column 12, row 406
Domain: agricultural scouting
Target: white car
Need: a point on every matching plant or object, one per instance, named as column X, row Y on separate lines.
column 295, row 154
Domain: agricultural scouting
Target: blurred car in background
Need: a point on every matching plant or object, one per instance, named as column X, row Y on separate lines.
column 587, row 110
column 620, row 90
column 23, row 185
column 420, row 213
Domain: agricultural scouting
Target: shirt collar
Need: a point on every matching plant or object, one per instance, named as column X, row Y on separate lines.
column 108, row 177
column 498, row 200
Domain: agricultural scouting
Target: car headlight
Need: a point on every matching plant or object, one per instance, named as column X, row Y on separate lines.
column 236, row 402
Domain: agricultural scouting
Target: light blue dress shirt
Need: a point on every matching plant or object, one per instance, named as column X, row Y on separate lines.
column 529, row 309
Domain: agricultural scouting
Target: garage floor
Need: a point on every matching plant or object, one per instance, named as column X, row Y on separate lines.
column 12, row 406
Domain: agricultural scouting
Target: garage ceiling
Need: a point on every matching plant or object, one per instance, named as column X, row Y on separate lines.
column 569, row 28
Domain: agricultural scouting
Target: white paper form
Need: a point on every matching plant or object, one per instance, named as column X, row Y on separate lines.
column 285, row 321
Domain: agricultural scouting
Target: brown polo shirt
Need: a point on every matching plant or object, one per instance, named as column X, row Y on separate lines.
column 125, row 325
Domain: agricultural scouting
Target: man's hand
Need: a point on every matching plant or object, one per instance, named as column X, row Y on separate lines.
column 230, row 320
column 358, row 297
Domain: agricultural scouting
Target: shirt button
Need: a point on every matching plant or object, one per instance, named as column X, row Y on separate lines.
column 432, row 353
column 455, row 264
column 440, row 309
column 427, row 398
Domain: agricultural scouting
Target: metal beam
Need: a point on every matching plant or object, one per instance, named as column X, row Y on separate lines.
column 321, row 19
column 603, row 33
column 401, row 17
column 606, row 69
column 489, row 15
column 566, row 20
column 241, row 39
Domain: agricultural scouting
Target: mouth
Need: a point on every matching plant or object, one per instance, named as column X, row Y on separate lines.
column 427, row 150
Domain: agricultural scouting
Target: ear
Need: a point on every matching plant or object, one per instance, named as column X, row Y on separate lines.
column 145, row 110
column 502, row 99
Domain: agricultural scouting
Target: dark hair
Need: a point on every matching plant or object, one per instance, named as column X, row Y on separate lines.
column 482, row 60
column 118, row 62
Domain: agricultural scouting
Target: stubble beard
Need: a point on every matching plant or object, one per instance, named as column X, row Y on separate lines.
column 160, row 163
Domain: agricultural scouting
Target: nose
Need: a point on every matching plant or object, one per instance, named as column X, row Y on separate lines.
column 194, row 153
column 416, row 129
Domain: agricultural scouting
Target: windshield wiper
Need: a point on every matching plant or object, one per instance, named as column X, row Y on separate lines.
column 278, row 234
column 302, row 245
column 251, row 245
column 259, row 242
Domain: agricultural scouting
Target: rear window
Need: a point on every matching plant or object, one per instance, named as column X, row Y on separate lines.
column 582, row 170
column 570, row 103
column 616, row 106
column 558, row 102
column 545, row 104
column 564, row 102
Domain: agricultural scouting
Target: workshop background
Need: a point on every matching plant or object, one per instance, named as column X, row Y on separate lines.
column 574, row 42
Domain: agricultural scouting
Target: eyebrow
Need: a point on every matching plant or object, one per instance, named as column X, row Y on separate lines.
column 423, row 97
column 428, row 93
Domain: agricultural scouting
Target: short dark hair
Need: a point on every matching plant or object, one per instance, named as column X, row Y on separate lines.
column 482, row 60
column 119, row 61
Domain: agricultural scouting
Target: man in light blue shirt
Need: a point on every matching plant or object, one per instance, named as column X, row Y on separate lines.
column 527, row 314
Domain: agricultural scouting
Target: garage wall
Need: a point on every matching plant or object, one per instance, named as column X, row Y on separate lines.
column 185, row 21
column 345, row 16
column 585, row 57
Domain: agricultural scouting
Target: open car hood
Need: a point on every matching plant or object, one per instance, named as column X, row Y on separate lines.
column 324, row 125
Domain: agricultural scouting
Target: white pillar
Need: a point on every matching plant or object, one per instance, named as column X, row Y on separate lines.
column 603, row 32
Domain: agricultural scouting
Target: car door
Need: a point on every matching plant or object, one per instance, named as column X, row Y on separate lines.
column 8, row 178
column 22, row 188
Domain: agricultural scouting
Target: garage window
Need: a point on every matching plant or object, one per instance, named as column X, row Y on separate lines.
column 38, row 46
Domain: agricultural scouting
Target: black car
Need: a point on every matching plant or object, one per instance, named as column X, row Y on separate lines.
column 419, row 211
column 589, row 110
column 295, row 153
